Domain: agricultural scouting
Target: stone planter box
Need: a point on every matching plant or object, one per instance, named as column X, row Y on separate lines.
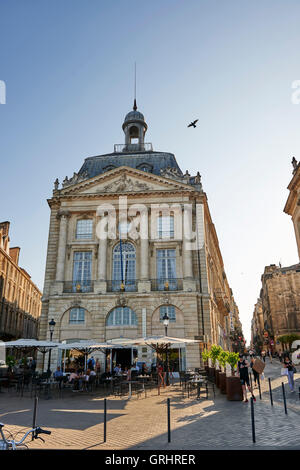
column 218, row 378
column 211, row 373
column 234, row 389
column 222, row 382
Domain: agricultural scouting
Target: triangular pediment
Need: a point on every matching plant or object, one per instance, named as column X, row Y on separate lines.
column 125, row 180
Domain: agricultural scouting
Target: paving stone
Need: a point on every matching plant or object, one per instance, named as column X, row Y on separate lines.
column 76, row 420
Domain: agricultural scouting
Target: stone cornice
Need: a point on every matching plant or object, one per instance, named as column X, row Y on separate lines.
column 127, row 170
column 293, row 187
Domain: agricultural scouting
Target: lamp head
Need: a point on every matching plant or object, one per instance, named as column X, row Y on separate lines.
column 52, row 324
column 166, row 319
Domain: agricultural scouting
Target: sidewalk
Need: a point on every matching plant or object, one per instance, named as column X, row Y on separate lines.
column 76, row 422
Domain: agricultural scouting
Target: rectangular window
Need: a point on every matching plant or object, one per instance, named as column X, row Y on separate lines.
column 166, row 268
column 165, row 227
column 82, row 270
column 84, row 229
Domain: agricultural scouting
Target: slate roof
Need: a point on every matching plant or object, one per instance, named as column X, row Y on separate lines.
column 156, row 161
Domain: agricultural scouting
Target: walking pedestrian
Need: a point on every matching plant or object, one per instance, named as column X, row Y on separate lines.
column 243, row 365
column 263, row 355
column 291, row 370
column 270, row 356
column 280, row 355
column 255, row 374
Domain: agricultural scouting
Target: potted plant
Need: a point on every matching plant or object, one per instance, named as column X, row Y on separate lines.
column 11, row 362
column 205, row 357
column 222, row 375
column 233, row 384
column 214, row 354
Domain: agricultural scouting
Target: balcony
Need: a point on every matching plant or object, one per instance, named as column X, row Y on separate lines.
column 118, row 286
column 78, row 287
column 125, row 148
column 166, row 284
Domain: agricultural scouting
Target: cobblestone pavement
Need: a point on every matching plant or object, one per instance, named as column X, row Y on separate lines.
column 76, row 421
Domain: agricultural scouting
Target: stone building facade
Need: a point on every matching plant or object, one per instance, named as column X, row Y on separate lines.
column 20, row 299
column 292, row 206
column 118, row 261
column 257, row 326
column 278, row 311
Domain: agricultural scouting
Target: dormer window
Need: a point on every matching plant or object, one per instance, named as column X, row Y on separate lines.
column 145, row 167
column 108, row 168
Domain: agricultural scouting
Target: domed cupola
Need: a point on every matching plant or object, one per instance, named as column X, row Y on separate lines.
column 134, row 127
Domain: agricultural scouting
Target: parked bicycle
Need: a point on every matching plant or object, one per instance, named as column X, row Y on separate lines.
column 12, row 444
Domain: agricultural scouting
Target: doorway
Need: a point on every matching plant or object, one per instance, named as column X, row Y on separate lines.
column 123, row 356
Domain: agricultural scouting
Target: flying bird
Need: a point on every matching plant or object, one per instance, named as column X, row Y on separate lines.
column 193, row 124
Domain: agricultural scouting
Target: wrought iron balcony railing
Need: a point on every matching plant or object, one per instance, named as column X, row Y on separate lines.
column 166, row 284
column 145, row 147
column 78, row 287
column 119, row 286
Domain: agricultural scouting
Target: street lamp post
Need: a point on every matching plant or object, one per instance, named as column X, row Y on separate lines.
column 166, row 324
column 52, row 324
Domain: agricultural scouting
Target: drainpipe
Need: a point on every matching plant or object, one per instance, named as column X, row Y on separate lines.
column 200, row 282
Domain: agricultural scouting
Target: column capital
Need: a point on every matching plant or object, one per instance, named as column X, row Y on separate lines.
column 63, row 213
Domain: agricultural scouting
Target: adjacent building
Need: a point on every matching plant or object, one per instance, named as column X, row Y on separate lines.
column 292, row 206
column 278, row 310
column 131, row 240
column 20, row 299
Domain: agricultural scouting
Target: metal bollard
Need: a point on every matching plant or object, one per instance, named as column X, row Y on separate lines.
column 169, row 420
column 252, row 420
column 299, row 393
column 284, row 399
column 258, row 379
column 34, row 414
column 104, row 431
column 270, row 389
column 188, row 389
column 251, row 380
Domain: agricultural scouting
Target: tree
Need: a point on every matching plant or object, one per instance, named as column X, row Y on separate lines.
column 288, row 339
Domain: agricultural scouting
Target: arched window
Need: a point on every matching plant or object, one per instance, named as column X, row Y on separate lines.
column 121, row 316
column 84, row 229
column 124, row 260
column 77, row 315
column 169, row 310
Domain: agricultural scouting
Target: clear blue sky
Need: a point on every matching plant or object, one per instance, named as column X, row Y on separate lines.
column 68, row 67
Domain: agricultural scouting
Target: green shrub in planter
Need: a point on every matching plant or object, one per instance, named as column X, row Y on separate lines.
column 215, row 351
column 232, row 360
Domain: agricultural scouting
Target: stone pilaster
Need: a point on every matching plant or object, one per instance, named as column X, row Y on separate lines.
column 62, row 244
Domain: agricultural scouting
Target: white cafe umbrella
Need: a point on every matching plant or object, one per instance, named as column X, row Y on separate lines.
column 39, row 345
column 159, row 343
column 87, row 347
column 155, row 341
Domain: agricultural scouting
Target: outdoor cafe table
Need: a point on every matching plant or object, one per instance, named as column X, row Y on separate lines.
column 199, row 382
column 129, row 382
column 143, row 378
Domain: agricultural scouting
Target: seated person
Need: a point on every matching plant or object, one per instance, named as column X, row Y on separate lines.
column 73, row 376
column 58, row 374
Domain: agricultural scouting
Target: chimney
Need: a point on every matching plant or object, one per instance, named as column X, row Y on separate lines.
column 14, row 253
column 4, row 227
